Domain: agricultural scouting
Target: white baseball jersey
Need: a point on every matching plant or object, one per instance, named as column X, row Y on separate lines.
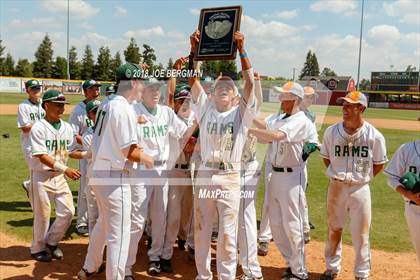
column 154, row 134
column 298, row 129
column 45, row 139
column 80, row 121
column 176, row 154
column 352, row 156
column 28, row 113
column 217, row 129
column 115, row 130
column 406, row 159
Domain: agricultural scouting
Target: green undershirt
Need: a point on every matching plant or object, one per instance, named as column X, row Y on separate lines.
column 56, row 125
column 152, row 111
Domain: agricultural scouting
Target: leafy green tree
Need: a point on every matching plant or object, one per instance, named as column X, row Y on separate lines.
column 74, row 64
column 23, row 68
column 314, row 65
column 170, row 63
column 149, row 56
column 43, row 64
column 132, row 52
column 116, row 61
column 87, row 64
column 9, row 66
column 60, row 68
column 364, row 84
column 2, row 59
column 327, row 72
column 306, row 70
column 103, row 70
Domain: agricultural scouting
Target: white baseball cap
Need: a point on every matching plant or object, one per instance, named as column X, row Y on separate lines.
column 291, row 87
column 354, row 97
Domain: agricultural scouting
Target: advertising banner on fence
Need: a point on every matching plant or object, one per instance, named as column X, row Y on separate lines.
column 52, row 84
column 72, row 87
column 10, row 84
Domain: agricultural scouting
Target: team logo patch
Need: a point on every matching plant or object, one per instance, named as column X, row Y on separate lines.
column 128, row 73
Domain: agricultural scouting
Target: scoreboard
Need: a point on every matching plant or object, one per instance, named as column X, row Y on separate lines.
column 395, row 81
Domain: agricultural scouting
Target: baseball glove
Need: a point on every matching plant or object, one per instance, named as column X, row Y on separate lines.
column 308, row 148
column 411, row 182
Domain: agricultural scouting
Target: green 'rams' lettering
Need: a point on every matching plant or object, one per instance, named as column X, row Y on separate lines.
column 155, row 131
column 60, row 145
column 35, row 116
column 215, row 128
column 354, row 151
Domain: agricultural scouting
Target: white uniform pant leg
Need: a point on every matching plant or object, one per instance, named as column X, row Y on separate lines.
column 158, row 213
column 116, row 202
column 139, row 207
column 186, row 208
column 412, row 215
column 64, row 210
column 82, row 214
column 204, row 209
column 41, row 207
column 97, row 237
column 306, row 227
column 337, row 200
column 176, row 196
column 265, row 230
column 360, row 220
column 92, row 208
column 247, row 234
column 287, row 188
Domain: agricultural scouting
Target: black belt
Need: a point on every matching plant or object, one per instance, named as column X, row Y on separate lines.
column 182, row 166
column 282, row 169
column 219, row 165
column 413, row 203
column 159, row 162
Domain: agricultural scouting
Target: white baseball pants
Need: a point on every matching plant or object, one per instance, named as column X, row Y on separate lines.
column 82, row 205
column 265, row 230
column 412, row 215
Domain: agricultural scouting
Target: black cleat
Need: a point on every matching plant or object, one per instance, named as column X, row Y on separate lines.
column 166, row 265
column 181, row 244
column 154, row 268
column 263, row 249
column 56, row 252
column 42, row 256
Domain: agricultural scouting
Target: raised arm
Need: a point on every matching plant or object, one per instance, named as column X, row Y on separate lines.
column 194, row 82
column 170, row 91
column 246, row 65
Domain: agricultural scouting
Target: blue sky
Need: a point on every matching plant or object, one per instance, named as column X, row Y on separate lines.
column 278, row 33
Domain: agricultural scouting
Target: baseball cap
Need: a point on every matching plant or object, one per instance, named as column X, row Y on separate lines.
column 54, row 96
column 182, row 91
column 92, row 105
column 33, row 84
column 226, row 80
column 90, row 83
column 110, row 89
column 290, row 87
column 353, row 97
column 129, row 71
column 153, row 82
column 207, row 79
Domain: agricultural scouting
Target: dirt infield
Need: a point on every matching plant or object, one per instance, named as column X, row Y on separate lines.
column 15, row 263
column 11, row 109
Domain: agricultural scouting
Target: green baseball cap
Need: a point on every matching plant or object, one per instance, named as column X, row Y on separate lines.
column 54, row 96
column 92, row 105
column 33, row 84
column 90, row 83
column 153, row 82
column 110, row 89
column 182, row 91
column 129, row 71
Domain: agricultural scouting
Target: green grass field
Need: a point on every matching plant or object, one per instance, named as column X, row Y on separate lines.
column 389, row 229
column 16, row 98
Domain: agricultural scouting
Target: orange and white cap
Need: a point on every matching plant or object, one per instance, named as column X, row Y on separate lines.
column 309, row 90
column 354, row 97
column 291, row 87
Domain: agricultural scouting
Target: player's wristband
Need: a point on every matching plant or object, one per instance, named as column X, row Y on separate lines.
column 60, row 167
column 243, row 55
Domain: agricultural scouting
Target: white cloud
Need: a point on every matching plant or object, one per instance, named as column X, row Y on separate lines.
column 120, row 11
column 308, row 27
column 407, row 10
column 272, row 30
column 346, row 7
column 384, row 33
column 38, row 22
column 85, row 25
column 286, row 14
column 78, row 8
column 145, row 33
column 195, row 12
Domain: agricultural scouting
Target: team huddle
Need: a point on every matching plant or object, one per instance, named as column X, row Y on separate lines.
column 178, row 173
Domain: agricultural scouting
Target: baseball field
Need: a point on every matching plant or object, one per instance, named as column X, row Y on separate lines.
column 393, row 255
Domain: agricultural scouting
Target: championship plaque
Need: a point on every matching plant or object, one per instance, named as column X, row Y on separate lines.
column 217, row 26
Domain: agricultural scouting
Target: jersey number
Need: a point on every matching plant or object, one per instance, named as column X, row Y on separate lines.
column 99, row 121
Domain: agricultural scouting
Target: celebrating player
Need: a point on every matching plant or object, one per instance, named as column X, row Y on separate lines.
column 353, row 152
column 114, row 144
column 288, row 133
column 50, row 140
column 403, row 172
column 222, row 137
column 29, row 111
column 80, row 123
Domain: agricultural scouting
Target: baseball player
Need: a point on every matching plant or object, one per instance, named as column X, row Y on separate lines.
column 288, row 134
column 109, row 90
column 353, row 152
column 115, row 147
column 80, row 123
column 50, row 141
column 222, row 137
column 160, row 123
column 405, row 162
column 29, row 111
column 86, row 153
column 250, row 173
column 180, row 195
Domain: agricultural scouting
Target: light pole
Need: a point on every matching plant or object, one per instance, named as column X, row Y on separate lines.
column 294, row 70
column 68, row 31
column 360, row 44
